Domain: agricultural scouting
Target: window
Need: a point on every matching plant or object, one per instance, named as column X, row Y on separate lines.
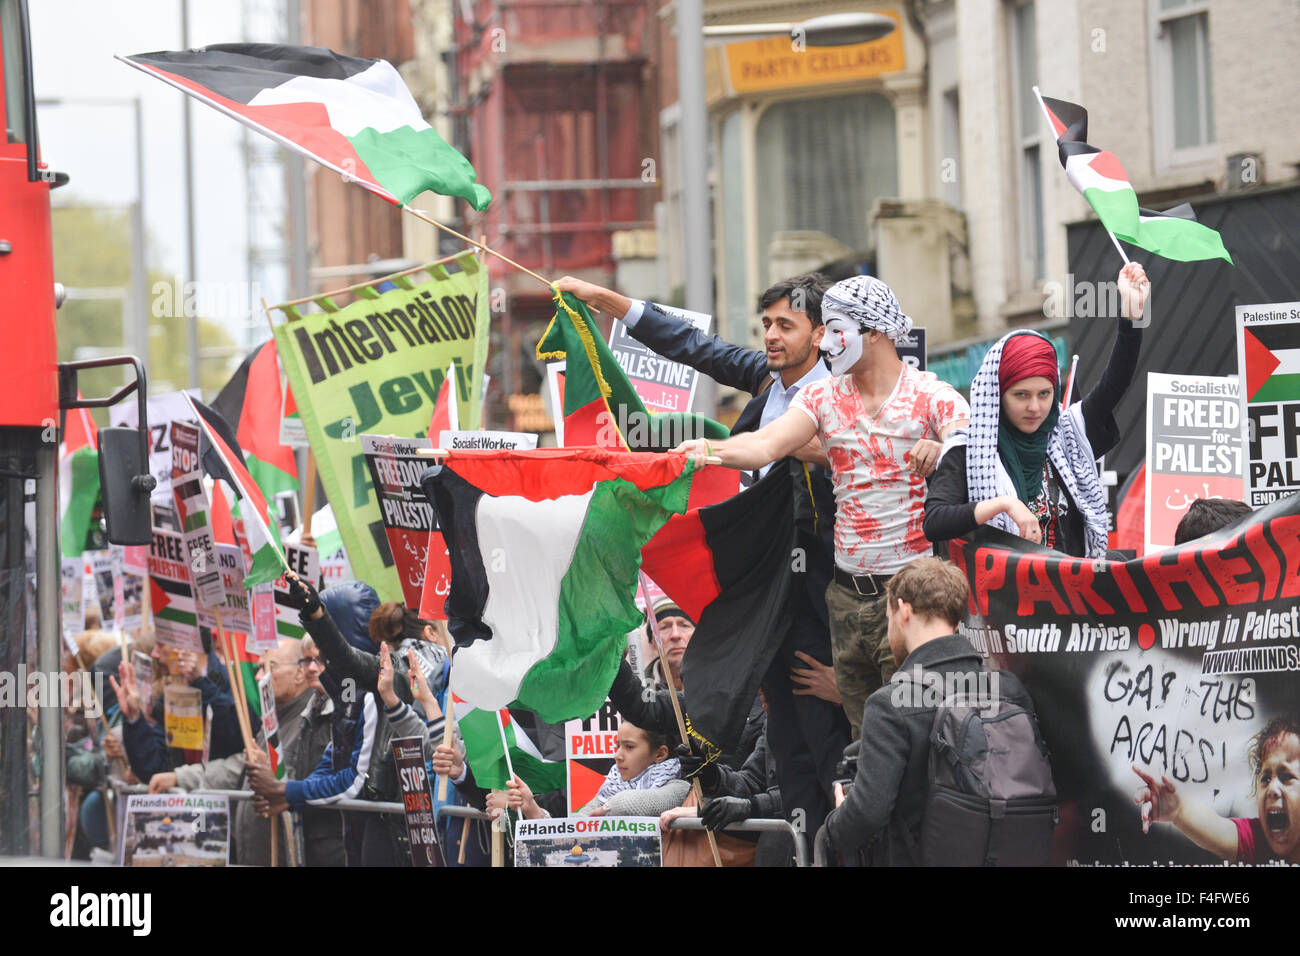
column 1182, row 88
column 1029, row 125
column 820, row 165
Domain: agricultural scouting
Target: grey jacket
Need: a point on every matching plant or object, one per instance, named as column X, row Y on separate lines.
column 304, row 732
column 892, row 781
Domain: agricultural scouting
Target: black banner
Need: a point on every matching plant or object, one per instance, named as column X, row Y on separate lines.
column 1174, row 663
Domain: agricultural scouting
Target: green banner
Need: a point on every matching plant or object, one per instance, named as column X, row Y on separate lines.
column 375, row 366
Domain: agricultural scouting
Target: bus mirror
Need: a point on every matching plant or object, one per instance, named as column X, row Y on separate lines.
column 125, row 484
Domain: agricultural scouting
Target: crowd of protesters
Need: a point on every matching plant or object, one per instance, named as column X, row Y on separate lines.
column 891, row 462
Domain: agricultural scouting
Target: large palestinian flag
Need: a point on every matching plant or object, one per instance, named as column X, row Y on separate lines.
column 251, row 401
column 730, row 566
column 483, row 736
column 1272, row 362
column 353, row 115
column 1098, row 175
column 545, row 547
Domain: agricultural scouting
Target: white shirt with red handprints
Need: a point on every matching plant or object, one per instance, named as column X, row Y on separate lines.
column 880, row 503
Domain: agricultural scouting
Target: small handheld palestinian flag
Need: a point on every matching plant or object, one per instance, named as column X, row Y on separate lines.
column 482, row 735
column 223, row 459
column 352, row 115
column 1101, row 180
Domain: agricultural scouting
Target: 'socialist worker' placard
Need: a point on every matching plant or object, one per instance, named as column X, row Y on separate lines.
column 1193, row 448
column 1268, row 358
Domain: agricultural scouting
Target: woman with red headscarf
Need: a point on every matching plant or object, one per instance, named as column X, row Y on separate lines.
column 1026, row 465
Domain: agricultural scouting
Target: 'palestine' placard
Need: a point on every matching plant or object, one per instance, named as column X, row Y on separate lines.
column 408, row 518
column 1268, row 358
column 662, row 384
column 1193, row 448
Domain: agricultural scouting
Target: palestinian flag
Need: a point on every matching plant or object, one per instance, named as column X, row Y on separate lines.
column 545, row 547
column 1101, row 179
column 484, row 754
column 247, row 661
column 251, row 400
column 78, row 480
column 730, row 566
column 600, row 405
column 223, row 459
column 352, row 115
column 1271, row 357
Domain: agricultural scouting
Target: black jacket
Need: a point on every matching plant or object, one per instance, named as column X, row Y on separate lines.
column 653, row 710
column 949, row 512
column 746, row 369
column 892, row 780
column 755, row 780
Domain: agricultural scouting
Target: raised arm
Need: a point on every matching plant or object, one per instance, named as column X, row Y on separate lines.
column 785, row 436
column 1099, row 404
column 674, row 338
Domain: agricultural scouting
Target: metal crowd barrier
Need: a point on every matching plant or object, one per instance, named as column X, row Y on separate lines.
column 469, row 813
column 753, row 826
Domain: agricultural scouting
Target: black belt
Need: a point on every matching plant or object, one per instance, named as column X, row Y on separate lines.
column 867, row 585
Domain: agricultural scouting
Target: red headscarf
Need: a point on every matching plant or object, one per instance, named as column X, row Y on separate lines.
column 1025, row 356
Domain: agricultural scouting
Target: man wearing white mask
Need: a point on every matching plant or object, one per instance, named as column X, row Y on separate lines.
column 881, row 423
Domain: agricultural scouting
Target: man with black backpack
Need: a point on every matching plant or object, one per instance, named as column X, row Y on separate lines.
column 952, row 769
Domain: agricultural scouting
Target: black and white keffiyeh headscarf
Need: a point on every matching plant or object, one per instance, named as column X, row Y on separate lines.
column 869, row 303
column 1068, row 449
column 652, row 777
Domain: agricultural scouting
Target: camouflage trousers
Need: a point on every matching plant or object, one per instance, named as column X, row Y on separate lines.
column 860, row 648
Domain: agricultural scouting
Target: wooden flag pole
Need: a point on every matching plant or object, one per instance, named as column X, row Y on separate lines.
column 448, row 739
column 309, row 500
column 418, row 214
column 464, row 838
column 498, row 844
column 677, row 708
column 236, row 682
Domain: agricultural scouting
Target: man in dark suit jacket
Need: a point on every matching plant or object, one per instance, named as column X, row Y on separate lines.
column 806, row 733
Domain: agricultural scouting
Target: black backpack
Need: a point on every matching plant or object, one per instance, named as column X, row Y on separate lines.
column 991, row 801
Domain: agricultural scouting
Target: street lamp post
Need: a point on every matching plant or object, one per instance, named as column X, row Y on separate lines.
column 833, row 30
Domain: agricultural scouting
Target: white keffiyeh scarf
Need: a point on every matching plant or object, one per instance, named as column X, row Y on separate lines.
column 655, row 775
column 869, row 303
column 1068, row 449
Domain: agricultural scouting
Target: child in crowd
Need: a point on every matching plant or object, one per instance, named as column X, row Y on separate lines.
column 1273, row 835
column 644, row 779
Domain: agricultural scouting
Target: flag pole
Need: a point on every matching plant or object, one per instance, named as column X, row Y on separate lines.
column 505, row 747
column 677, row 707
column 418, row 214
column 236, row 682
column 1069, row 383
column 448, row 731
column 309, row 499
